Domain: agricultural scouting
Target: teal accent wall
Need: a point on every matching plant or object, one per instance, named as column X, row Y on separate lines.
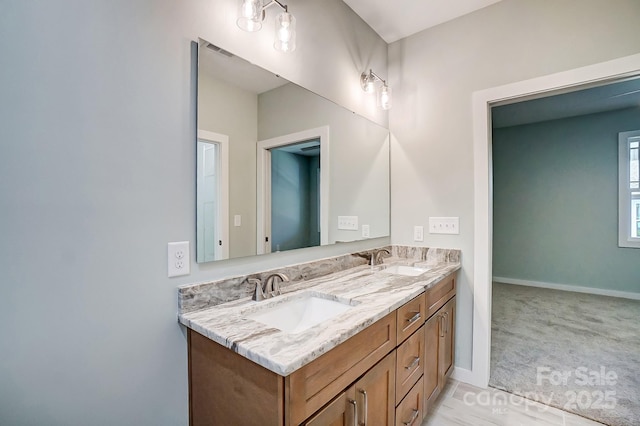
column 555, row 216
column 294, row 206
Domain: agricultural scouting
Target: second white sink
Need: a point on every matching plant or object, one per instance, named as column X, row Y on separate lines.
column 300, row 313
column 410, row 271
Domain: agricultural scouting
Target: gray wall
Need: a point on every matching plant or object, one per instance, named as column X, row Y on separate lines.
column 434, row 74
column 358, row 155
column 555, row 202
column 97, row 174
column 227, row 109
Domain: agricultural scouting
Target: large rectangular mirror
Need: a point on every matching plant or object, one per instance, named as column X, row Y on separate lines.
column 279, row 167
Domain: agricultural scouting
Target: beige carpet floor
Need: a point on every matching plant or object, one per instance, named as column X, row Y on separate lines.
column 578, row 352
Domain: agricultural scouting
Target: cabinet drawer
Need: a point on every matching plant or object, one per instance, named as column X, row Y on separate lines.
column 409, row 412
column 411, row 316
column 438, row 295
column 409, row 363
column 315, row 384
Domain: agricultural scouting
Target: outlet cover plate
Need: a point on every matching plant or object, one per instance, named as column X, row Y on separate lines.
column 178, row 259
column 418, row 233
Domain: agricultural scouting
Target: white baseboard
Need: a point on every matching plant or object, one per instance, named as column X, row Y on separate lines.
column 465, row 376
column 568, row 287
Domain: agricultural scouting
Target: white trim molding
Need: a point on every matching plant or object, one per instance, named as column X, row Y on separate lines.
column 483, row 215
column 462, row 375
column 569, row 287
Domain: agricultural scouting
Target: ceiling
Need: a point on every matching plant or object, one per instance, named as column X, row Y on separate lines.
column 610, row 97
column 234, row 70
column 396, row 19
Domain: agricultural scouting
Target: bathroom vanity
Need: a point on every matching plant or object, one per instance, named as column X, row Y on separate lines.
column 383, row 361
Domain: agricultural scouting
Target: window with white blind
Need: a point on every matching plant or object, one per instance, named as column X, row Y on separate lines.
column 629, row 189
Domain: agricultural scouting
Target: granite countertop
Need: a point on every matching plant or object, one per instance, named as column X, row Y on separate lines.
column 371, row 292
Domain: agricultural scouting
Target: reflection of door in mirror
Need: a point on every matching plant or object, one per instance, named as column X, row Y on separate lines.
column 293, row 182
column 295, row 196
column 212, row 218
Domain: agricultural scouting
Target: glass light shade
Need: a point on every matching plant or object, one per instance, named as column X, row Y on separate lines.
column 384, row 97
column 368, row 84
column 250, row 15
column 285, row 40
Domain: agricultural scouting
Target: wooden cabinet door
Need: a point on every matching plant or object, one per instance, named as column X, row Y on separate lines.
column 375, row 394
column 447, row 343
column 431, row 357
column 342, row 411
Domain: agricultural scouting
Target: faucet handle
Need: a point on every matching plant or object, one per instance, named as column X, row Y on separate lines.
column 258, row 294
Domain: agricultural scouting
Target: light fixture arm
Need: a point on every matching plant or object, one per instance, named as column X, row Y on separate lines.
column 276, row 2
column 377, row 77
column 370, row 78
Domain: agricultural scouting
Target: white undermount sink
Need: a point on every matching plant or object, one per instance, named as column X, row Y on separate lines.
column 300, row 313
column 409, row 271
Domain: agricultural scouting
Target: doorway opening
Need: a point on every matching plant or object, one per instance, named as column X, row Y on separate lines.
column 482, row 102
column 295, row 196
column 212, row 196
column 293, row 191
column 555, row 250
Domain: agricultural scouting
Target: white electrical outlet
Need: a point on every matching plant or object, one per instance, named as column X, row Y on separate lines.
column 418, row 233
column 348, row 223
column 237, row 220
column 178, row 259
column 444, row 225
column 365, row 231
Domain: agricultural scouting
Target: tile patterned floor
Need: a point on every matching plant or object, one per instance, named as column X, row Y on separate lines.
column 461, row 404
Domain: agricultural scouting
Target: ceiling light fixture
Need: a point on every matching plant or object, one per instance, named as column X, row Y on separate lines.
column 251, row 14
column 368, row 80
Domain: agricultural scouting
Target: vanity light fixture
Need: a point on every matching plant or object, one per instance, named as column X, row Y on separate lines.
column 368, row 80
column 251, row 14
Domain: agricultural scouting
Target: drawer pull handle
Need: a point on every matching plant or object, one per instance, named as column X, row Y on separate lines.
column 365, row 408
column 414, row 318
column 355, row 412
column 415, row 362
column 412, row 419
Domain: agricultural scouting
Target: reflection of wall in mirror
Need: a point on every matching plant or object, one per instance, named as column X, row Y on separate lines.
column 226, row 109
column 359, row 175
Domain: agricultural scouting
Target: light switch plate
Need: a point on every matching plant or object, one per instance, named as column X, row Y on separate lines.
column 365, row 231
column 418, row 233
column 444, row 225
column 178, row 259
column 348, row 223
column 237, row 220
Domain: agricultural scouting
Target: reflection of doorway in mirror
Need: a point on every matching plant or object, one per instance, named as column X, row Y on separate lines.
column 212, row 197
column 293, row 189
column 295, row 196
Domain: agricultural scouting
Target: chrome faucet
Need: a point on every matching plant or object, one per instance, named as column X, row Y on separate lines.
column 376, row 256
column 272, row 284
column 271, row 287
